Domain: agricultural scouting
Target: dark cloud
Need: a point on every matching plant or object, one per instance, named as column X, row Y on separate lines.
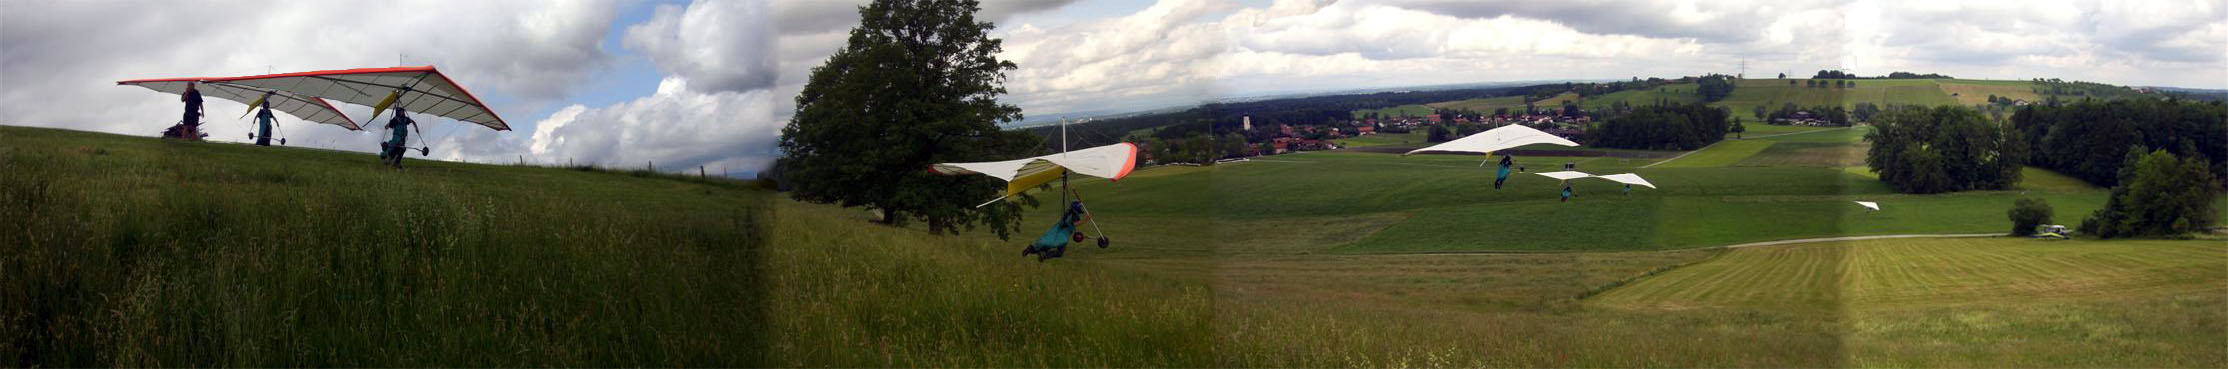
column 1710, row 21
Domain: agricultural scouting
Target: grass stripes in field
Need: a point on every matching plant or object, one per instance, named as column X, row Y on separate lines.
column 1929, row 272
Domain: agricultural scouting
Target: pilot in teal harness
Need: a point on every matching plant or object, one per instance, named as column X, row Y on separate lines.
column 263, row 121
column 397, row 144
column 1054, row 242
column 1503, row 175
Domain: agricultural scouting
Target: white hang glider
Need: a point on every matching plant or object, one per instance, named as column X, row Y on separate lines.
column 421, row 90
column 1870, row 205
column 1628, row 178
column 306, row 108
column 1566, row 175
column 1111, row 162
column 1498, row 139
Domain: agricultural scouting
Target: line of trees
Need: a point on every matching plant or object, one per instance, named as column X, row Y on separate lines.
column 2159, row 195
column 1815, row 83
column 1835, row 74
column 1714, row 87
column 1943, row 149
column 1681, row 127
column 2090, row 139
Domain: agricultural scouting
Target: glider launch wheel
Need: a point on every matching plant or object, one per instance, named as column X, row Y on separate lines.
column 1077, row 236
column 1103, row 242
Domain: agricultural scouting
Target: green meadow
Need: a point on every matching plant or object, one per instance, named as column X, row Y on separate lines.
column 1488, row 105
column 1396, row 111
column 150, row 252
column 1772, row 93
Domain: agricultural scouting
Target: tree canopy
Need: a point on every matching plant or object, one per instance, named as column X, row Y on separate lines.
column 917, row 83
column 1943, row 149
column 2090, row 139
column 1681, row 127
column 2160, row 195
column 1714, row 87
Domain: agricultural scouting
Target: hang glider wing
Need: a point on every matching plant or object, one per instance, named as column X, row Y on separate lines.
column 1868, row 204
column 1498, row 139
column 416, row 89
column 1111, row 162
column 303, row 107
column 1628, row 178
column 1566, row 175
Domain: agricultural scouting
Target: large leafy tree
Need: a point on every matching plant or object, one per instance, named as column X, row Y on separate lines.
column 916, row 84
column 2159, row 195
column 1944, row 149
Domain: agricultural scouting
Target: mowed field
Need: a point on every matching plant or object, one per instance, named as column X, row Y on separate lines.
column 1975, row 301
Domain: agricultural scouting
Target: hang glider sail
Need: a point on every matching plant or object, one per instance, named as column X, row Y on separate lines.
column 416, row 89
column 1498, row 139
column 1566, row 175
column 1110, row 162
column 303, row 107
column 1628, row 178
column 1869, row 205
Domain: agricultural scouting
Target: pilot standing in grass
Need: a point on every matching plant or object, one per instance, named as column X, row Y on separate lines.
column 395, row 145
column 190, row 126
column 263, row 120
column 1566, row 190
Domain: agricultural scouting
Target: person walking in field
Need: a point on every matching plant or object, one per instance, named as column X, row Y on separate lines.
column 396, row 145
column 1503, row 175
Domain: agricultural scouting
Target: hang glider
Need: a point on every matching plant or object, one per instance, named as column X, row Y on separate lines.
column 1111, row 162
column 416, row 89
column 1566, row 175
column 303, row 107
column 1498, row 139
column 1628, row 178
column 1871, row 205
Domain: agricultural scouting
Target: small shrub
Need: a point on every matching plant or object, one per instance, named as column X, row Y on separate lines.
column 2027, row 213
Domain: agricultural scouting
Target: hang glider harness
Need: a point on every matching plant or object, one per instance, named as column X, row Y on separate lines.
column 1111, row 162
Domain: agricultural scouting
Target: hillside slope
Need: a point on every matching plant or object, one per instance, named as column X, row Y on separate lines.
column 134, row 251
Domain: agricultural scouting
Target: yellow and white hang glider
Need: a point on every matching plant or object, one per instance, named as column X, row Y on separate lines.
column 1111, row 162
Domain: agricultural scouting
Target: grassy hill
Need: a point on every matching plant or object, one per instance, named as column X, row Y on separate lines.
column 1487, row 105
column 1771, row 93
column 133, row 251
column 149, row 252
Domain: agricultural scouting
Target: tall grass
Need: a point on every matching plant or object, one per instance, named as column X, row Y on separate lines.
column 138, row 252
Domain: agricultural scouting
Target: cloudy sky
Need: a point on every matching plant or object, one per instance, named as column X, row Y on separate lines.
column 711, row 82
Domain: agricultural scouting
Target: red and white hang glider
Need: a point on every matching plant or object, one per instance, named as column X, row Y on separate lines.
column 303, row 107
column 421, row 90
